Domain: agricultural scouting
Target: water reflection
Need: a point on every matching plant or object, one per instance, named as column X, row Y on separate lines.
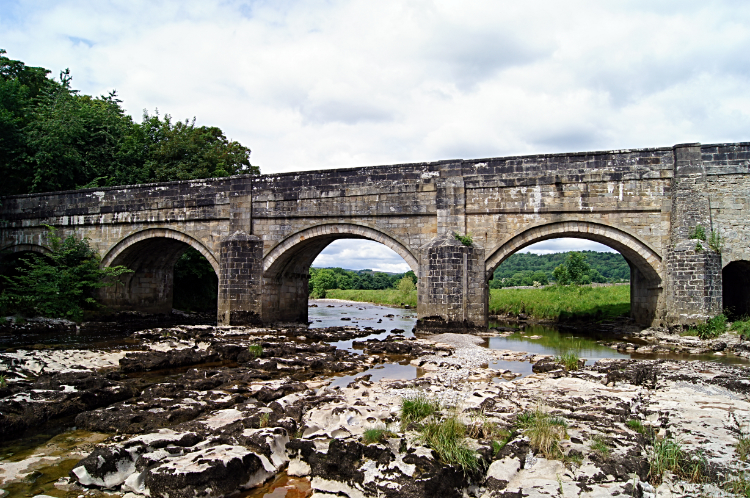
column 541, row 339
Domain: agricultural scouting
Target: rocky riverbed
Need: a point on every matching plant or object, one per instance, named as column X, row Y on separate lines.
column 210, row 411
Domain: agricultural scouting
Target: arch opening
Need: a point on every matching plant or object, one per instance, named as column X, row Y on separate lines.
column 168, row 271
column 643, row 262
column 286, row 276
column 735, row 278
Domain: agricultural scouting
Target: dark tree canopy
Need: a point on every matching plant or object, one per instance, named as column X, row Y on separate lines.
column 54, row 138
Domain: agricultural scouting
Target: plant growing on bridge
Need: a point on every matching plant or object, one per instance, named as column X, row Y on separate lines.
column 698, row 233
column 60, row 284
column 716, row 241
column 464, row 239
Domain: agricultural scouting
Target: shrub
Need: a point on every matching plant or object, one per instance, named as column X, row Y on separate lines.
column 60, row 284
column 698, row 233
column 712, row 328
column 464, row 239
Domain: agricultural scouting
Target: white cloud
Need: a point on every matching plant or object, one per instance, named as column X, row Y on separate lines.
column 564, row 245
column 355, row 254
column 332, row 83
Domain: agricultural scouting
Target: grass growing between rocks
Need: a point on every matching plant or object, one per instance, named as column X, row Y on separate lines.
column 447, row 437
column 558, row 302
column 599, row 445
column 416, row 408
column 385, row 297
column 544, row 431
column 256, row 350
column 667, row 454
column 569, row 360
column 636, row 425
column 376, row 435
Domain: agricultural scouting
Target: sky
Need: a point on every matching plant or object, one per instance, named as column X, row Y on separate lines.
column 325, row 84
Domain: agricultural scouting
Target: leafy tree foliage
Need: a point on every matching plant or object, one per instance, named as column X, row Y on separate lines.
column 60, row 284
column 525, row 268
column 53, row 138
column 324, row 279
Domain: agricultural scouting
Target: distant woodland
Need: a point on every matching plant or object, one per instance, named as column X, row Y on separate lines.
column 526, row 268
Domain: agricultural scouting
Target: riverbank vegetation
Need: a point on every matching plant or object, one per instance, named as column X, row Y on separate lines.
column 551, row 303
column 526, row 268
column 557, row 302
column 324, row 280
column 58, row 284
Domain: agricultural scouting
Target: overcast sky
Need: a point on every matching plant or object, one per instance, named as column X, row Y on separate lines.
column 326, row 84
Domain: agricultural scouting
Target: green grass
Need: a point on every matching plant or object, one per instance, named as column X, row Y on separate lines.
column 569, row 360
column 667, row 454
column 562, row 302
column 599, row 445
column 256, row 350
column 448, row 438
column 386, row 297
column 742, row 327
column 551, row 303
column 636, row 425
column 376, row 435
column 3, row 381
column 417, row 408
column 544, row 431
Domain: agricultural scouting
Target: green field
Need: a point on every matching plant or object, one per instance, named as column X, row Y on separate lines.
column 562, row 302
column 551, row 303
column 387, row 297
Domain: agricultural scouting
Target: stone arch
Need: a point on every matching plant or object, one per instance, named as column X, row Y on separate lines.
column 152, row 233
column 286, row 266
column 151, row 255
column 16, row 248
column 645, row 263
column 322, row 235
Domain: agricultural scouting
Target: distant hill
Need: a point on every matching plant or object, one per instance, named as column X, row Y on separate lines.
column 519, row 269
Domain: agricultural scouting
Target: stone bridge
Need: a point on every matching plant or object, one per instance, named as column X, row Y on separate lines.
column 261, row 233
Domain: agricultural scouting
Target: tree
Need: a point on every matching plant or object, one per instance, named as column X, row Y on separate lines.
column 321, row 280
column 406, row 286
column 60, row 284
column 575, row 270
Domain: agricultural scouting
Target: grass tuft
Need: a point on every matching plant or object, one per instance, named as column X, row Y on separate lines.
column 569, row 360
column 667, row 454
column 742, row 327
column 599, row 445
column 3, row 381
column 256, row 350
column 416, row 408
column 448, row 438
column 376, row 435
column 636, row 425
column 544, row 431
